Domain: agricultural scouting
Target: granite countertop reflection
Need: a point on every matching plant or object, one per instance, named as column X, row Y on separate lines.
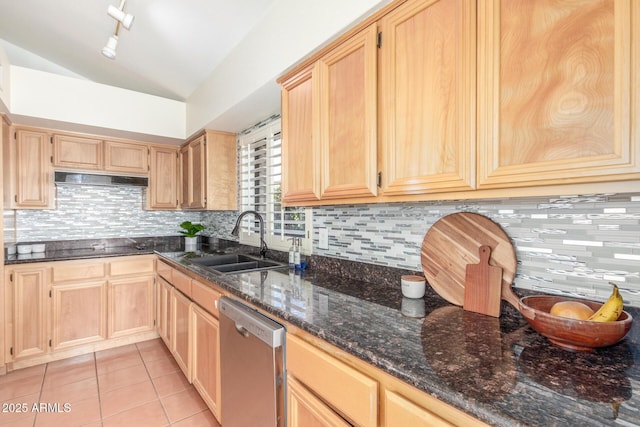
column 498, row 370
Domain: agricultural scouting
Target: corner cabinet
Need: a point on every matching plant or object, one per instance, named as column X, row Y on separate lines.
column 28, row 178
column 558, row 92
column 208, row 167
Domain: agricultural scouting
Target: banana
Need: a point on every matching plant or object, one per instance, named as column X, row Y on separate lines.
column 611, row 309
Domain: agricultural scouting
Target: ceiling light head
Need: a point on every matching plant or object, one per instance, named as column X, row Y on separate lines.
column 110, row 49
column 125, row 19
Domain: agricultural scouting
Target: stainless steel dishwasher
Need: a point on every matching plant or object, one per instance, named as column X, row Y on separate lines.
column 252, row 367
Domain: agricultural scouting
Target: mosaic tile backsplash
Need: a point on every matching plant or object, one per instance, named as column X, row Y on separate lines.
column 573, row 245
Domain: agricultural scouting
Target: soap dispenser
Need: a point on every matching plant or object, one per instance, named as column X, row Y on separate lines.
column 296, row 253
column 292, row 254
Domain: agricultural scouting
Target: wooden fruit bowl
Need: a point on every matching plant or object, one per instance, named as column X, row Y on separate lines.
column 570, row 334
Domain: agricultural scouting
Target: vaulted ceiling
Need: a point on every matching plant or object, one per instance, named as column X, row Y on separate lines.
column 169, row 51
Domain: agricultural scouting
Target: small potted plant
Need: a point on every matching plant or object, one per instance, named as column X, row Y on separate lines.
column 190, row 232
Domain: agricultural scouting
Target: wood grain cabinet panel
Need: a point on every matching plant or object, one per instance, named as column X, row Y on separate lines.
column 130, row 265
column 126, row 157
column 300, row 149
column 402, row 412
column 163, row 178
column 347, row 117
column 164, row 316
column 130, row 305
column 180, row 334
column 557, row 92
column 352, row 393
column 28, row 308
column 427, row 100
column 30, row 165
column 75, row 152
column 79, row 314
column 304, row 409
column 206, row 358
column 208, row 167
column 78, row 270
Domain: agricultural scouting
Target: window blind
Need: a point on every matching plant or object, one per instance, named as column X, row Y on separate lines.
column 260, row 170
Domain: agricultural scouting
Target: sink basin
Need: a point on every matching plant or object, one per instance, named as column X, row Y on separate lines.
column 235, row 263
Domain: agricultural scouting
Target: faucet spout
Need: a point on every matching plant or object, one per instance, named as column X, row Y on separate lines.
column 236, row 230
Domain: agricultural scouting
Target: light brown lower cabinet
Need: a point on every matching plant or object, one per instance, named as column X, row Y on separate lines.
column 79, row 313
column 205, row 368
column 60, row 309
column 163, row 316
column 329, row 387
column 305, row 409
column 27, row 311
column 130, row 305
column 181, row 342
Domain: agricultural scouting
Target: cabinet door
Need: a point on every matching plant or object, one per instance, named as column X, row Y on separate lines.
column 130, row 305
column 198, row 168
column 304, row 409
column 427, row 80
column 399, row 411
column 557, row 92
column 300, row 150
column 33, row 182
column 180, row 339
column 163, row 178
column 192, row 171
column 79, row 314
column 28, row 289
column 221, row 171
column 347, row 117
column 126, row 157
column 206, row 358
column 164, row 315
column 73, row 152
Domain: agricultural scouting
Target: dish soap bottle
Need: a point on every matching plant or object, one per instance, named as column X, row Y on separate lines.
column 292, row 256
column 296, row 253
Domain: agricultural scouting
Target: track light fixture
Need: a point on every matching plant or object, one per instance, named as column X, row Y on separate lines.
column 125, row 20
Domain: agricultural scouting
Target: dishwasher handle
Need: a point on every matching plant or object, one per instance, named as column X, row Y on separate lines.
column 242, row 331
column 250, row 322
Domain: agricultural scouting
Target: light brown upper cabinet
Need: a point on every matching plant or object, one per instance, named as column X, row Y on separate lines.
column 74, row 152
column 329, row 124
column 208, row 165
column 163, row 177
column 347, row 126
column 558, row 92
column 427, row 99
column 28, row 175
column 126, row 157
column 474, row 98
column 300, row 150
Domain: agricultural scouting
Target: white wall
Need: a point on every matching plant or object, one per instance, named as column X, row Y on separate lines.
column 4, row 81
column 290, row 31
column 55, row 97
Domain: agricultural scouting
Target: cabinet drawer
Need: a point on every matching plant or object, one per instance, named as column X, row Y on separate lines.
column 182, row 282
column 205, row 297
column 132, row 265
column 353, row 394
column 70, row 270
column 164, row 270
column 402, row 412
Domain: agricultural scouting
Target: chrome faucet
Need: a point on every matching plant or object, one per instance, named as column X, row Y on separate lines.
column 236, row 230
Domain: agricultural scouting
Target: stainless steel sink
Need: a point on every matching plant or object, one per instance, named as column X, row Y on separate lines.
column 235, row 263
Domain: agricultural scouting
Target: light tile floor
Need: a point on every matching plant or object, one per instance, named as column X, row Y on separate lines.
column 136, row 385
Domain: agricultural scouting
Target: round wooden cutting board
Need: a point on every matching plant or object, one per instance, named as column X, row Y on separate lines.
column 453, row 242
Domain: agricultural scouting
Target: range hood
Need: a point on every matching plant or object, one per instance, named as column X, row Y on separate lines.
column 95, row 179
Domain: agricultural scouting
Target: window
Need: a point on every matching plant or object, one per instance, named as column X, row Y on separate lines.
column 260, row 169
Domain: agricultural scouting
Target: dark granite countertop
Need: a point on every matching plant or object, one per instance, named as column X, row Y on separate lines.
column 498, row 370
